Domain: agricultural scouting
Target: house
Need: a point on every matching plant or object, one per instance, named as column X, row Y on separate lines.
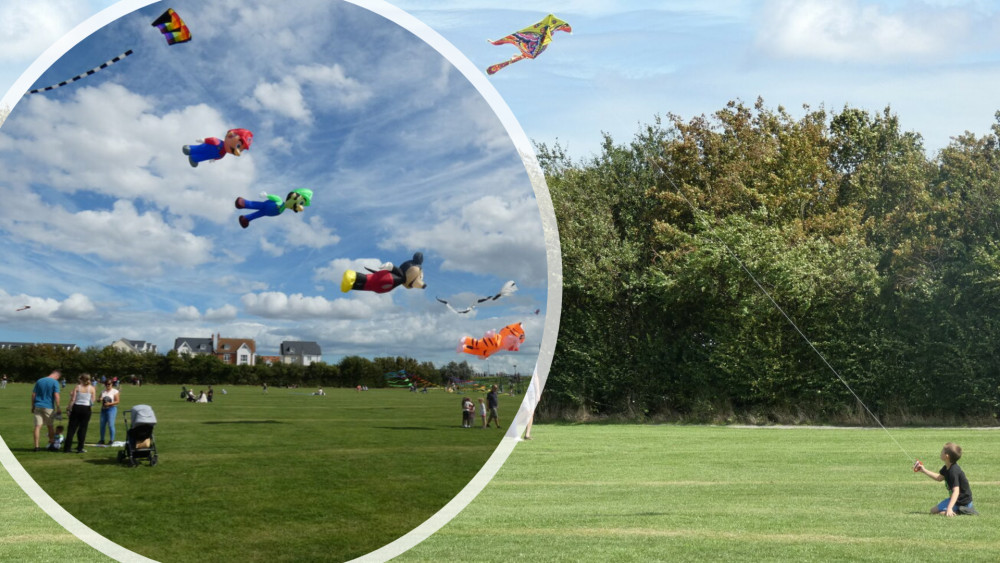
column 301, row 353
column 193, row 346
column 235, row 351
column 268, row 360
column 134, row 346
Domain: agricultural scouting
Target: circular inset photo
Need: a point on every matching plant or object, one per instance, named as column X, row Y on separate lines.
column 277, row 280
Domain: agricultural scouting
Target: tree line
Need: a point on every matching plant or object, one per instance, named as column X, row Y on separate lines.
column 886, row 258
column 29, row 363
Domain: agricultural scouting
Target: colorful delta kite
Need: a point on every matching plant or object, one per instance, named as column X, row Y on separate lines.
column 409, row 274
column 296, row 200
column 507, row 289
column 509, row 338
column 236, row 141
column 172, row 27
column 170, row 24
column 531, row 41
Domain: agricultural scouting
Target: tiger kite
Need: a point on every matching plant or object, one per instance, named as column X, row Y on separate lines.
column 509, row 338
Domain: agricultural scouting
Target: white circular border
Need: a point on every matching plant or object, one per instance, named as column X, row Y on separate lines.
column 552, row 252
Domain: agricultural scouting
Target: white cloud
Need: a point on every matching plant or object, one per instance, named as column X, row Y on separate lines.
column 28, row 27
column 328, row 85
column 852, row 31
column 490, row 236
column 187, row 313
column 75, row 306
column 271, row 248
column 238, row 284
column 224, row 313
column 111, row 141
column 334, row 86
column 277, row 305
column 308, row 232
column 282, row 98
column 334, row 270
column 121, row 235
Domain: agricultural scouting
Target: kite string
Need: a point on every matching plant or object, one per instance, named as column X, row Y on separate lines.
column 760, row 286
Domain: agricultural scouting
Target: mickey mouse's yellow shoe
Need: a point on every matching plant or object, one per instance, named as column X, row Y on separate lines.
column 347, row 283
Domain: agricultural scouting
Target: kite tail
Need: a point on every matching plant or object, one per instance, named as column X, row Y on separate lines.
column 83, row 75
column 509, row 40
column 494, row 68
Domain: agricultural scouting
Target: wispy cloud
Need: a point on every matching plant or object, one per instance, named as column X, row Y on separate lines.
column 851, row 30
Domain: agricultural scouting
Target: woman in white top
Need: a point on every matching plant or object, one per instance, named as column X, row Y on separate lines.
column 109, row 410
column 80, row 400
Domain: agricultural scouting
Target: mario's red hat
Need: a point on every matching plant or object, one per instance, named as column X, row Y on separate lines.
column 246, row 137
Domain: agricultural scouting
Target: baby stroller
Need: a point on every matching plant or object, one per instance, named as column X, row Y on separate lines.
column 139, row 441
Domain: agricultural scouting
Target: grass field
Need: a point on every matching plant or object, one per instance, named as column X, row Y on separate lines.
column 675, row 493
column 285, row 476
column 693, row 493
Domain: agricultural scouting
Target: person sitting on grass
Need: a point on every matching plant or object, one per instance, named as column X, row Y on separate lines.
column 57, row 441
column 960, row 499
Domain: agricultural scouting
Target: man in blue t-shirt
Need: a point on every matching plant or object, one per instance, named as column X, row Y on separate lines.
column 45, row 403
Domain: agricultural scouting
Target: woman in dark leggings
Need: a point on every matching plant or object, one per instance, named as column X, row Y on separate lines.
column 80, row 400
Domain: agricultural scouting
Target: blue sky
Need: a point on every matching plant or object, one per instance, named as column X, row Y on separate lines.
column 115, row 235
column 399, row 148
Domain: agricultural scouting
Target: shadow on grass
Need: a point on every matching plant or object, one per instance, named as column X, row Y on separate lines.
column 410, row 427
column 242, row 422
column 104, row 461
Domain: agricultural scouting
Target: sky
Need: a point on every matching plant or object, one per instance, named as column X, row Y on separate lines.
column 115, row 235
column 408, row 159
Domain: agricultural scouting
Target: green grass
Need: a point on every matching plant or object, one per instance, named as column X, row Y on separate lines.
column 28, row 534
column 284, row 476
column 695, row 493
column 660, row 493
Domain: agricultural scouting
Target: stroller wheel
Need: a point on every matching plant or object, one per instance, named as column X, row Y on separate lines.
column 121, row 456
column 132, row 462
column 152, row 460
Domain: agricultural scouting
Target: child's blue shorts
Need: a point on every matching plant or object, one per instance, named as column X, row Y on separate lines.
column 943, row 505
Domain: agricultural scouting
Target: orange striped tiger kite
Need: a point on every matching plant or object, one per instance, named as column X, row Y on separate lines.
column 509, row 338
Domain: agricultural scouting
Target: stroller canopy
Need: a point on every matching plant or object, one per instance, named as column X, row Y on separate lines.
column 143, row 414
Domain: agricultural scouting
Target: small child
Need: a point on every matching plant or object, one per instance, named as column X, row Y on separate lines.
column 482, row 411
column 57, row 441
column 467, row 408
column 959, row 500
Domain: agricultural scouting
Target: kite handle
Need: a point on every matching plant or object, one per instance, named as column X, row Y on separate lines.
column 917, row 466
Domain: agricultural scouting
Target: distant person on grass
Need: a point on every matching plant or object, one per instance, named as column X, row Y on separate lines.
column 482, row 412
column 57, row 441
column 466, row 412
column 110, row 398
column 494, row 405
column 80, row 401
column 45, row 404
column 960, row 499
